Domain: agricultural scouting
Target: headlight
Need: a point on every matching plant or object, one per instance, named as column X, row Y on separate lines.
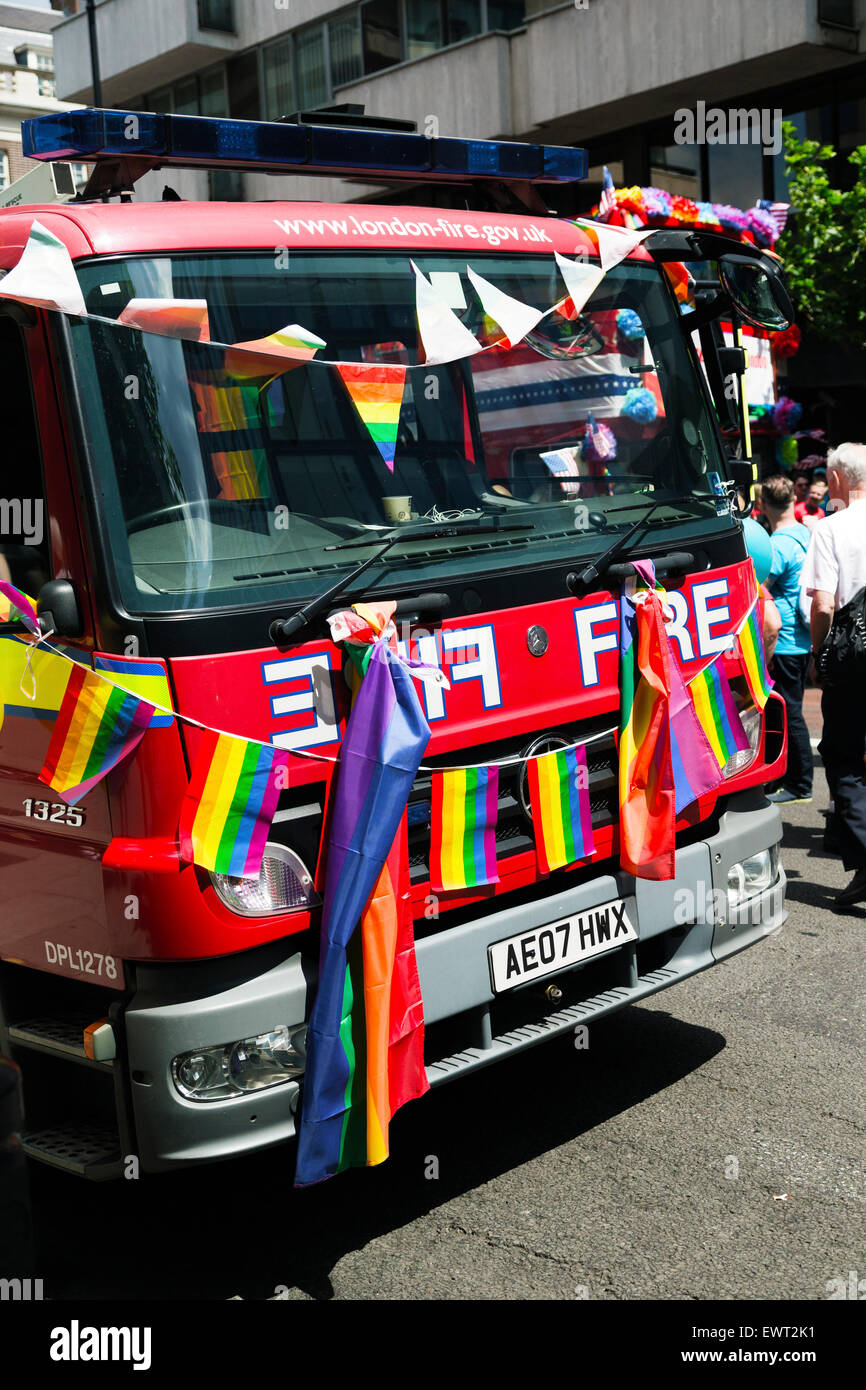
column 284, row 884
column 753, row 875
column 751, row 720
column 237, row 1068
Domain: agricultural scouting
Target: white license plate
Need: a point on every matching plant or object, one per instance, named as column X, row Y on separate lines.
column 548, row 949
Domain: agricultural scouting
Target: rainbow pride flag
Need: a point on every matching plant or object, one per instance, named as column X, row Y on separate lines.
column 646, row 787
column 365, row 1039
column 561, row 815
column 754, row 664
column 230, row 804
column 271, row 356
column 377, row 395
column 463, row 828
column 695, row 770
column 715, row 708
column 96, row 726
column 17, row 607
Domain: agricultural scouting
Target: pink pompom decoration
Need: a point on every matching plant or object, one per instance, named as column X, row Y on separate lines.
column 787, row 414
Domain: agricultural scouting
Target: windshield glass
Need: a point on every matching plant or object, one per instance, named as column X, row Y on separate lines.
column 217, row 488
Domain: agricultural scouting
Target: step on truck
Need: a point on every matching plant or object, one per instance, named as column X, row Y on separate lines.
column 166, row 520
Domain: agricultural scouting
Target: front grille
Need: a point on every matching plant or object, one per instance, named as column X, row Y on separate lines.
column 514, row 832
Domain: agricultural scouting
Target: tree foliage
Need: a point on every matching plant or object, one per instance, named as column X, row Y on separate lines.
column 824, row 245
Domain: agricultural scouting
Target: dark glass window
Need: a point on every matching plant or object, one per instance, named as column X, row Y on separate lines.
column 344, row 46
column 505, row 14
column 425, row 31
column 676, row 168
column 313, row 86
column 216, row 14
column 464, row 19
column 214, row 101
column 243, row 84
column 279, row 80
column 380, row 21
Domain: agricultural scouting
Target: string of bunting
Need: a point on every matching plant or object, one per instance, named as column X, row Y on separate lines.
column 45, row 277
column 235, row 782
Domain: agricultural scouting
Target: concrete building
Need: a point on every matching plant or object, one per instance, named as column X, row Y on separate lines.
column 608, row 74
column 615, row 76
column 27, row 86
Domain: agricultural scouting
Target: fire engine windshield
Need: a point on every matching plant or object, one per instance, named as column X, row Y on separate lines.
column 219, row 486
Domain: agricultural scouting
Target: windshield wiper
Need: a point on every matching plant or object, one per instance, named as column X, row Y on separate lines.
column 281, row 629
column 591, row 573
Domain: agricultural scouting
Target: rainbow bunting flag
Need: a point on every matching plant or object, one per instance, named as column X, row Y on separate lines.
column 230, row 804
column 97, row 725
column 273, row 355
column 172, row 318
column 16, row 607
column 365, row 1040
column 646, row 786
column 696, row 771
column 754, row 665
column 463, row 828
column 715, row 708
column 377, row 395
column 561, row 815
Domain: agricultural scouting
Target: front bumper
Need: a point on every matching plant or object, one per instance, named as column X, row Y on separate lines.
column 684, row 926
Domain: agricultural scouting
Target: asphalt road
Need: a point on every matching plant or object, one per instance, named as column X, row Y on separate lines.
column 709, row 1144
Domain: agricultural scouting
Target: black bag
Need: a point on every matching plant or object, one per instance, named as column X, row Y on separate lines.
column 841, row 657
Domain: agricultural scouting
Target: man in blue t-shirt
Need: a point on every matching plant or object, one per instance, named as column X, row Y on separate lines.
column 790, row 541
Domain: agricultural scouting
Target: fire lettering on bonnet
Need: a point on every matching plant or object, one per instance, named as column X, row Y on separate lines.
column 701, row 626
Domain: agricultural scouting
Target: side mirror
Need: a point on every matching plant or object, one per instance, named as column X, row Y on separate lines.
column 57, row 605
column 758, row 295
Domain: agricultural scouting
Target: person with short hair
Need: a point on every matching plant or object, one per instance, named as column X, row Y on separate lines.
column 833, row 572
column 789, row 541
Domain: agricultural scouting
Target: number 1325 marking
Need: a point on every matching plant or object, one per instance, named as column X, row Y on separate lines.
column 56, row 811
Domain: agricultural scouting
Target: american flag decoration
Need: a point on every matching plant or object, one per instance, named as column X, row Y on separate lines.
column 608, row 196
column 778, row 212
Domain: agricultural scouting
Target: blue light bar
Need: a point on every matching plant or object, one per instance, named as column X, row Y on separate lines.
column 156, row 141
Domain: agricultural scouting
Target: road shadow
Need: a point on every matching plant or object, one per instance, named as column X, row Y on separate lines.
column 240, row 1228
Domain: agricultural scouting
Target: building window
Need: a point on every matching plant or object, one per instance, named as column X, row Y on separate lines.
column 212, row 93
column 243, row 86
column 279, row 80
column 186, row 98
column 463, row 19
column 677, row 168
column 313, row 85
column 216, row 14
column 4, row 169
column 839, row 14
column 380, row 21
column 344, row 47
column 736, row 174
column 505, row 14
column 425, row 32
column 45, row 86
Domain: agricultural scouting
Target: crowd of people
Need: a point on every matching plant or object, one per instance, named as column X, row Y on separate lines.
column 817, row 528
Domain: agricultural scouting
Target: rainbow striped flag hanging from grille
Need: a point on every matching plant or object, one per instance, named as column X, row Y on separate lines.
column 463, row 828
column 647, row 795
column 230, row 804
column 561, row 815
column 365, row 1038
column 377, row 395
column 754, row 664
column 715, row 708
column 97, row 725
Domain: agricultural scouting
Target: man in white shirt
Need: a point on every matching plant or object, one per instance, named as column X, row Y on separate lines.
column 833, row 572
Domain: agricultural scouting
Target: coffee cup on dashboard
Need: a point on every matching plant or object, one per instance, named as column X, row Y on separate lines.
column 397, row 508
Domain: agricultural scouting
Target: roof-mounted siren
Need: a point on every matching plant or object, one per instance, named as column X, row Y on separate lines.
column 124, row 145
